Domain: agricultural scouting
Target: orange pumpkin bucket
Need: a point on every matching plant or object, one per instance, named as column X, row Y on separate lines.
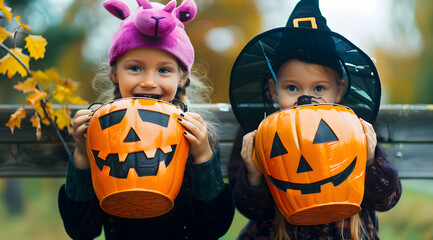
column 137, row 154
column 313, row 158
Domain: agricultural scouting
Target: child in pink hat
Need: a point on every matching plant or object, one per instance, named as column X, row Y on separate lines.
column 151, row 56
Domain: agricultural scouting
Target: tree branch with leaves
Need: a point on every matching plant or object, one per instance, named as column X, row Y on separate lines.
column 16, row 61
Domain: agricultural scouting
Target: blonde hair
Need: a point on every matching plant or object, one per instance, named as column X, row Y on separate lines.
column 283, row 230
column 199, row 90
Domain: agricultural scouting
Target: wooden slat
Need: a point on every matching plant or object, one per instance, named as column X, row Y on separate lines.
column 405, row 132
column 49, row 159
column 32, row 160
column 405, row 123
column 26, row 133
column 412, row 160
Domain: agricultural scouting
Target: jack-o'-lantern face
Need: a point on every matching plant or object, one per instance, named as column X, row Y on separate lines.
column 137, row 154
column 313, row 158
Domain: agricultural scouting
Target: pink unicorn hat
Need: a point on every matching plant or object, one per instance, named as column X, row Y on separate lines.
column 153, row 25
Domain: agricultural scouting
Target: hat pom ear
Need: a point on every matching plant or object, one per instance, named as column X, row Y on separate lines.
column 117, row 8
column 186, row 11
column 145, row 4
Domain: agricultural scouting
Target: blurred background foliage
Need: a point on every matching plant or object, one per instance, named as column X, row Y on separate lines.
column 78, row 34
column 408, row 77
column 79, row 31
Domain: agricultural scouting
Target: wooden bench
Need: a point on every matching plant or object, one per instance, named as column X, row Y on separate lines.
column 405, row 132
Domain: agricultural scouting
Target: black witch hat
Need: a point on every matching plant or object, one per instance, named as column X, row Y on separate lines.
column 306, row 37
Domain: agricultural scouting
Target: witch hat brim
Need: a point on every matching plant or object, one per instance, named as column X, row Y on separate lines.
column 249, row 95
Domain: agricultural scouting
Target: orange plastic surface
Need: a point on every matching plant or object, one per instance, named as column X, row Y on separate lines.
column 126, row 183
column 315, row 176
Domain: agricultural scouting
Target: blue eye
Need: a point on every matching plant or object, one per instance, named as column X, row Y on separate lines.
column 292, row 88
column 135, row 69
column 319, row 89
column 164, row 70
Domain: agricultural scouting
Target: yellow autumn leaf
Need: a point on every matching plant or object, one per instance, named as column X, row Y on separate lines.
column 50, row 75
column 36, row 46
column 36, row 97
column 62, row 119
column 54, row 74
column 26, row 27
column 36, row 122
column 70, row 84
column 41, row 112
column 10, row 65
column 4, row 34
column 62, row 93
column 27, row 86
column 41, row 77
column 77, row 100
column 6, row 10
column 15, row 119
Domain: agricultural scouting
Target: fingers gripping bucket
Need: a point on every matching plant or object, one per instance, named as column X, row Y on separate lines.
column 313, row 158
column 137, row 155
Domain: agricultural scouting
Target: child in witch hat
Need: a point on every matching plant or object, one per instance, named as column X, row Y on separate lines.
column 151, row 56
column 297, row 64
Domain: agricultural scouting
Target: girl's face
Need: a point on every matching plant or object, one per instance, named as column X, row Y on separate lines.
column 148, row 72
column 297, row 78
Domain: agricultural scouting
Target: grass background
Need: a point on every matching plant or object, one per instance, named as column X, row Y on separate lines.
column 39, row 218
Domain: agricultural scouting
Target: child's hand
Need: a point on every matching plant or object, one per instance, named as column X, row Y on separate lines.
column 197, row 135
column 80, row 123
column 370, row 135
column 254, row 175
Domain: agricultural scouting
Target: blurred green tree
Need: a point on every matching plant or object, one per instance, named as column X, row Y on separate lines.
column 219, row 32
column 64, row 37
column 69, row 34
column 408, row 77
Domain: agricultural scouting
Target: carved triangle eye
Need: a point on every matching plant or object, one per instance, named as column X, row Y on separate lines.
column 324, row 134
column 132, row 136
column 278, row 148
column 303, row 166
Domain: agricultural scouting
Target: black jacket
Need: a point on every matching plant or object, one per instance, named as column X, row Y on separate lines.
column 190, row 218
column 187, row 220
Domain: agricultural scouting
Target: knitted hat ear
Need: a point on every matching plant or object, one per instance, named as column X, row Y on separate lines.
column 117, row 8
column 144, row 3
column 186, row 11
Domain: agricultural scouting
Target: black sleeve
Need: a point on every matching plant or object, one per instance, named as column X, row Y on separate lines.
column 382, row 184
column 235, row 160
column 252, row 202
column 214, row 217
column 82, row 220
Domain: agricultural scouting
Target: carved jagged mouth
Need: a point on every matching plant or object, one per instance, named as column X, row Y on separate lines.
column 142, row 165
column 309, row 188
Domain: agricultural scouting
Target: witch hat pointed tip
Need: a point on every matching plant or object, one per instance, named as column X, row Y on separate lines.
column 307, row 9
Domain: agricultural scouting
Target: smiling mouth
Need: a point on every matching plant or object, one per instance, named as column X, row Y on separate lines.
column 148, row 96
column 142, row 165
column 309, row 188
